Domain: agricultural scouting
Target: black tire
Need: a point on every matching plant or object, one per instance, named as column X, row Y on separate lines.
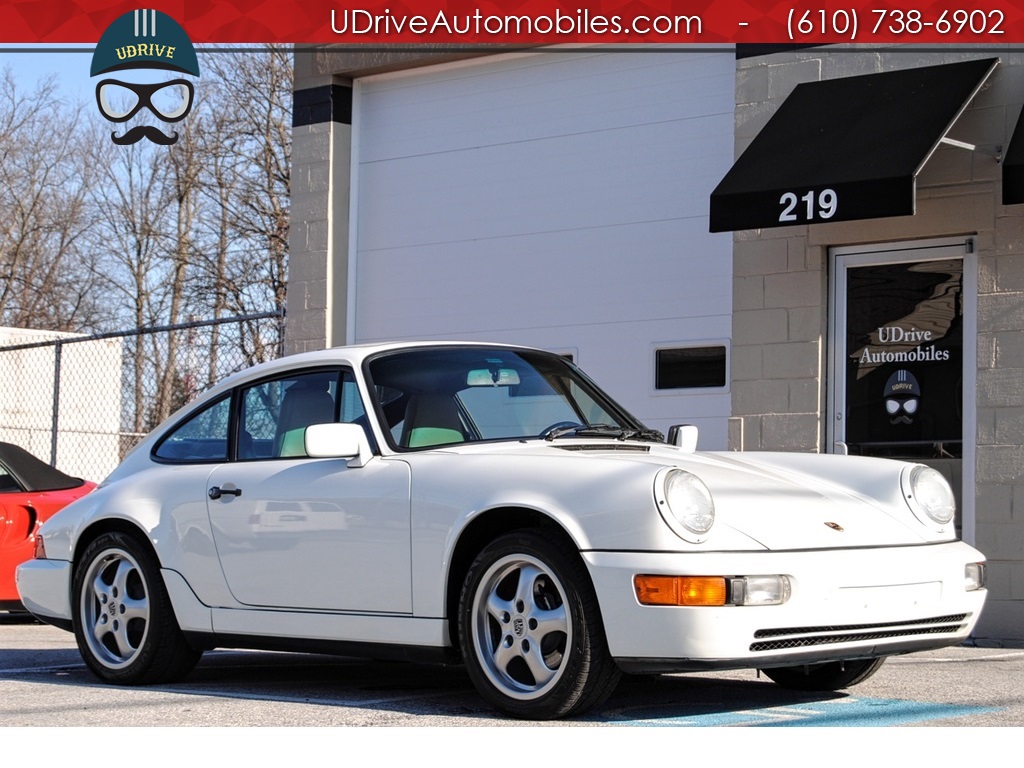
column 123, row 621
column 530, row 629
column 825, row 677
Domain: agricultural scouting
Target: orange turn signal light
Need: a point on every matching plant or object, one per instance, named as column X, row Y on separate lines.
column 680, row 590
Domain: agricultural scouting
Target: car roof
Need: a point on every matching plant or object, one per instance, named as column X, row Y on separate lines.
column 354, row 355
column 362, row 351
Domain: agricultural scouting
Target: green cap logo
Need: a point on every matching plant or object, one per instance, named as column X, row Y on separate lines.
column 144, row 39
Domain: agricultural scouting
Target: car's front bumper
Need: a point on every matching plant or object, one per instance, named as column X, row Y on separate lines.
column 845, row 604
column 45, row 588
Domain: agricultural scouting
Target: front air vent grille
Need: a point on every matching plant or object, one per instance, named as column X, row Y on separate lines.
column 804, row 637
column 956, row 618
column 608, row 447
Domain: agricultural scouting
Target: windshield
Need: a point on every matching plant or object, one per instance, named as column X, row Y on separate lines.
column 442, row 396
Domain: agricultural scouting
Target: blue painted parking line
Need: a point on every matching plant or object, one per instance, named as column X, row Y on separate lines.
column 846, row 712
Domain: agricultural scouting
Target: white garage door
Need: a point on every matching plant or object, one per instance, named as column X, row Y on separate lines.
column 557, row 199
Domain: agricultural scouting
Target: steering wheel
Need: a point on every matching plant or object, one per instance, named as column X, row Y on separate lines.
column 556, row 426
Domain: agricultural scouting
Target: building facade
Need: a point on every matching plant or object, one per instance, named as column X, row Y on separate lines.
column 813, row 249
column 800, row 349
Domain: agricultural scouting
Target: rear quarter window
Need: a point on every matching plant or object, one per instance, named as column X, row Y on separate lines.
column 202, row 437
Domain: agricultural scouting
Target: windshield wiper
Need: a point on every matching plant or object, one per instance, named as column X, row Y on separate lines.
column 606, row 430
column 650, row 435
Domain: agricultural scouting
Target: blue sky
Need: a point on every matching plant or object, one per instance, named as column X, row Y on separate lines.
column 30, row 64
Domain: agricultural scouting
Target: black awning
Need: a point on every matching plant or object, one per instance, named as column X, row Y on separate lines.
column 1013, row 166
column 845, row 149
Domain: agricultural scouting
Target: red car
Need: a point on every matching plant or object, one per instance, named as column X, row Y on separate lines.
column 30, row 492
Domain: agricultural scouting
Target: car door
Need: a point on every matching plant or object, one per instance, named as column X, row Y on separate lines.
column 17, row 520
column 309, row 533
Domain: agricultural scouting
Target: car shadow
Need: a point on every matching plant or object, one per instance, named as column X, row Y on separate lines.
column 17, row 617
column 407, row 688
column 411, row 688
column 703, row 698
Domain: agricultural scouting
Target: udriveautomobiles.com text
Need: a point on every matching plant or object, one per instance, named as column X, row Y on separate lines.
column 583, row 22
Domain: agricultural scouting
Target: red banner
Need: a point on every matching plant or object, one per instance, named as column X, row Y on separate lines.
column 533, row 22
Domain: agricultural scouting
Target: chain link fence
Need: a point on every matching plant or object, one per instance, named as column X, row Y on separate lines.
column 82, row 402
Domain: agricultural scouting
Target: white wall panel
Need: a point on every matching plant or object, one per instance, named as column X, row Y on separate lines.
column 556, row 198
column 550, row 93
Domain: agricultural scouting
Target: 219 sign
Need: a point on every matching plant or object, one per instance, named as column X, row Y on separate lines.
column 808, row 207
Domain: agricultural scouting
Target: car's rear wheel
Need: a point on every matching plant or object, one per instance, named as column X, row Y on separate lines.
column 123, row 620
column 530, row 629
column 825, row 677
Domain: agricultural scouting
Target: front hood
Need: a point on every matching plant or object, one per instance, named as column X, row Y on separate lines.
column 812, row 501
column 780, row 501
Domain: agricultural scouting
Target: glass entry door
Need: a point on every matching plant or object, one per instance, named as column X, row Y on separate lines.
column 903, row 338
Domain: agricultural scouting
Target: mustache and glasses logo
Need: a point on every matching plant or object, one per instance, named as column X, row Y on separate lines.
column 902, row 397
column 142, row 43
column 170, row 102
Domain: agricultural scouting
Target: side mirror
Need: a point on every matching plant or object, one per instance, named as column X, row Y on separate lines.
column 338, row 441
column 683, row 436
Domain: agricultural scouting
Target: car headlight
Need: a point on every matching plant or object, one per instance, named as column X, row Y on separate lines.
column 928, row 495
column 685, row 504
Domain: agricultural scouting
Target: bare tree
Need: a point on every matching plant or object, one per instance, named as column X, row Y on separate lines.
column 96, row 236
column 131, row 230
column 185, row 159
column 250, row 185
column 45, row 280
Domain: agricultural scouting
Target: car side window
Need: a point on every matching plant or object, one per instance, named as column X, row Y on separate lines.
column 7, row 482
column 203, row 437
column 272, row 419
column 274, row 414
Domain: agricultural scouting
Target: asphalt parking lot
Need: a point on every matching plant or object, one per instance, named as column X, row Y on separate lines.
column 43, row 683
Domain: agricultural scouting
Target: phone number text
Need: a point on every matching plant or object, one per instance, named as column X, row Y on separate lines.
column 886, row 23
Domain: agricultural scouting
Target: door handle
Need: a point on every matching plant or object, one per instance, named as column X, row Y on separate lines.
column 216, row 492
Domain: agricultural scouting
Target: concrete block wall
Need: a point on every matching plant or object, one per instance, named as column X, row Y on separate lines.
column 1000, row 408
column 307, row 284
column 319, row 235
column 777, row 346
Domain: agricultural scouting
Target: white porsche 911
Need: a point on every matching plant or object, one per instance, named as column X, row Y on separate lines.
column 491, row 505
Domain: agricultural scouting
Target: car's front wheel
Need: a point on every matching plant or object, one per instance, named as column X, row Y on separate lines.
column 530, row 629
column 123, row 620
column 825, row 677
